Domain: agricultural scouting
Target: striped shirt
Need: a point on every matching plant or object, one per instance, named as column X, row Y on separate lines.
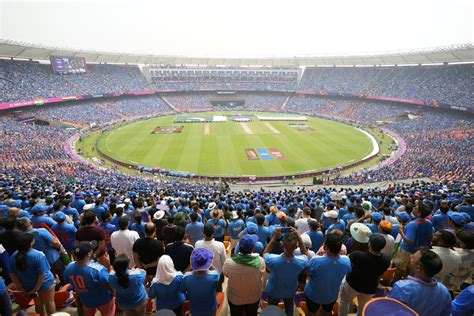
column 245, row 283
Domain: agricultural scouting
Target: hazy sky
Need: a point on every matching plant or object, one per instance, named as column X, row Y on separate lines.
column 243, row 28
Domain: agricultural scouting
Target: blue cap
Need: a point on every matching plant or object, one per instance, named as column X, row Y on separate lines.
column 457, row 218
column 252, row 228
column 40, row 207
column 60, row 216
column 247, row 242
column 376, row 216
column 403, row 216
column 467, row 217
column 330, row 204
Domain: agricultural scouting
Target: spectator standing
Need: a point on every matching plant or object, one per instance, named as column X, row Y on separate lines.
column 129, row 287
column 30, row 272
column 326, row 274
column 179, row 251
column 244, row 272
column 284, row 269
column 363, row 280
column 90, row 281
column 200, row 285
column 124, row 239
column 420, row 291
column 217, row 249
column 148, row 250
column 165, row 287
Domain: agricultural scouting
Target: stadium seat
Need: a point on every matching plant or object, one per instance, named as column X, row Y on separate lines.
column 61, row 296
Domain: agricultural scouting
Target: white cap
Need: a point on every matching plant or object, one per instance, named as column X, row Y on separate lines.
column 331, row 214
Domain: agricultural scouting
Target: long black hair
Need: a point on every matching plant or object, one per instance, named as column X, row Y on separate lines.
column 25, row 242
column 120, row 267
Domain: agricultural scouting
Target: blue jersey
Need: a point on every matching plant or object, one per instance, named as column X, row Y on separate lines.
column 284, row 272
column 3, row 287
column 440, row 221
column 200, row 290
column 420, row 232
column 425, row 298
column 43, row 240
column 38, row 221
column 272, row 219
column 219, row 227
column 463, row 304
column 167, row 296
column 140, row 229
column 36, row 266
column 235, row 227
column 338, row 225
column 317, row 239
column 66, row 234
column 194, row 232
column 89, row 281
column 326, row 274
column 108, row 228
column 78, row 204
column 135, row 293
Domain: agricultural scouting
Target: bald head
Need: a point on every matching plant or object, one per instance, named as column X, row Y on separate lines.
column 150, row 229
column 13, row 212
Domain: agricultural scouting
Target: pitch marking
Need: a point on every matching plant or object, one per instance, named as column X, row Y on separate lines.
column 273, row 129
column 206, row 129
column 246, row 128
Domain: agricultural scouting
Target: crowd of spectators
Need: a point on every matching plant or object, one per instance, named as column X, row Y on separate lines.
column 100, row 112
column 255, row 101
column 450, row 84
column 27, row 80
column 313, row 249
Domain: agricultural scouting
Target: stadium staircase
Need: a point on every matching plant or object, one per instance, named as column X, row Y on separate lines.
column 168, row 103
column 285, row 103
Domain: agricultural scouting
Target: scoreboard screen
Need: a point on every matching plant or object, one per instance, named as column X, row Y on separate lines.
column 68, row 65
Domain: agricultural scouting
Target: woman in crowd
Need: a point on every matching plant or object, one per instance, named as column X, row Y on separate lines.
column 31, row 273
column 165, row 287
column 129, row 287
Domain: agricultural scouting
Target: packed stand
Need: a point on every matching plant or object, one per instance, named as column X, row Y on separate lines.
column 450, row 84
column 28, row 80
column 312, row 250
column 185, row 79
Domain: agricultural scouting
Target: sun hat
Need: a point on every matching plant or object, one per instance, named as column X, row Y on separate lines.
column 158, row 215
column 247, row 242
column 360, row 232
column 331, row 214
column 211, row 205
column 215, row 213
column 201, row 259
column 87, row 207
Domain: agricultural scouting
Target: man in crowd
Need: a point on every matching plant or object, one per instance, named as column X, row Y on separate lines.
column 419, row 290
column 179, row 251
column 148, row 250
column 362, row 282
column 90, row 281
column 284, row 268
column 90, row 232
column 244, row 272
column 415, row 234
column 123, row 240
column 217, row 249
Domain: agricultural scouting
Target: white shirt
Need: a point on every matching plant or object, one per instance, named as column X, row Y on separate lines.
column 122, row 241
column 451, row 261
column 217, row 248
column 390, row 242
column 302, row 225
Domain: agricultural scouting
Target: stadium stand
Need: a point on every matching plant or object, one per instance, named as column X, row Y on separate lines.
column 357, row 233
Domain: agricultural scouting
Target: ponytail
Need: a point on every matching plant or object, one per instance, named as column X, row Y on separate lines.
column 24, row 245
column 121, row 270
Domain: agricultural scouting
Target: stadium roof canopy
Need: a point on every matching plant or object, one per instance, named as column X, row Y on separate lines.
column 449, row 54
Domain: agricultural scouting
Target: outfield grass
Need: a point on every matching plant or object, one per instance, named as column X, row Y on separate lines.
column 222, row 151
